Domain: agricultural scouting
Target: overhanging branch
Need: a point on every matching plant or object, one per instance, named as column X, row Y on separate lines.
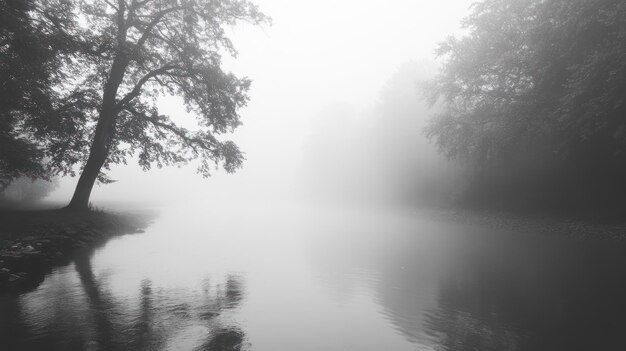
column 137, row 88
column 193, row 142
column 153, row 23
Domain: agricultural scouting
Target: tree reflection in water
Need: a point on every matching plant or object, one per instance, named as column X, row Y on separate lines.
column 533, row 296
column 159, row 313
column 471, row 288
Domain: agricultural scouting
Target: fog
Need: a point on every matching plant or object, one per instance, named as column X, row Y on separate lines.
column 418, row 175
column 326, row 75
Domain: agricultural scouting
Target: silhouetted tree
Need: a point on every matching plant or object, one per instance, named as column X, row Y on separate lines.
column 34, row 39
column 142, row 49
column 80, row 80
column 538, row 80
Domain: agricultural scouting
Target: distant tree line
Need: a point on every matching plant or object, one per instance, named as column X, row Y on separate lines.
column 379, row 154
column 533, row 99
column 25, row 192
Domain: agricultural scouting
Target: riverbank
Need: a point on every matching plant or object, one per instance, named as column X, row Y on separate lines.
column 578, row 228
column 33, row 242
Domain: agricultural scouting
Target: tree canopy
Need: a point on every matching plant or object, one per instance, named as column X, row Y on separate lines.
column 537, row 81
column 126, row 54
column 33, row 41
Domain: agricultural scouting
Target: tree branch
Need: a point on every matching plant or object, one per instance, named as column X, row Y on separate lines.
column 153, row 23
column 193, row 142
column 121, row 23
column 112, row 5
column 137, row 88
column 136, row 4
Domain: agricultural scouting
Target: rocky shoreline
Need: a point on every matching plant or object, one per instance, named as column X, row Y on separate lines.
column 32, row 243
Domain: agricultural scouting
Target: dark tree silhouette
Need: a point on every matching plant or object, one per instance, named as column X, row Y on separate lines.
column 33, row 40
column 538, row 82
column 142, row 49
column 80, row 81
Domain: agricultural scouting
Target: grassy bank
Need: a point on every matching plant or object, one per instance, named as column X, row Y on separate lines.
column 32, row 242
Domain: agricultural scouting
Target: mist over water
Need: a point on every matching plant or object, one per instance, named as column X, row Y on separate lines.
column 367, row 57
column 340, row 232
column 268, row 278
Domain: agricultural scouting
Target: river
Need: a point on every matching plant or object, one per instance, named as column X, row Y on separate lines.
column 227, row 278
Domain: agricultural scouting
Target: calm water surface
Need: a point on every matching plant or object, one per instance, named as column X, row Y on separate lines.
column 282, row 279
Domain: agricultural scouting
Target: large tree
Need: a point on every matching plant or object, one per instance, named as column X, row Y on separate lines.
column 137, row 50
column 538, row 81
column 81, row 80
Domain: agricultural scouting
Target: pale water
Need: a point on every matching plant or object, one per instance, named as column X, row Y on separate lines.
column 320, row 279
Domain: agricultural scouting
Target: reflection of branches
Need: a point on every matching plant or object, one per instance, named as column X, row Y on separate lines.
column 457, row 330
column 144, row 329
column 99, row 303
column 224, row 338
column 234, row 291
column 11, row 333
column 140, row 334
column 535, row 297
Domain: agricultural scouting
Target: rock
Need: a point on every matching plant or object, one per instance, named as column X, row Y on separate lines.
column 24, row 261
column 29, row 249
column 41, row 246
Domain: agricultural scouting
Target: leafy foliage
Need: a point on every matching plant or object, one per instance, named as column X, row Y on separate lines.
column 167, row 47
column 33, row 40
column 125, row 55
column 537, row 80
column 27, row 191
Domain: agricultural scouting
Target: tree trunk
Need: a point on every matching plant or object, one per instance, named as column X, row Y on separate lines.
column 80, row 200
column 106, row 121
column 100, row 147
column 97, row 156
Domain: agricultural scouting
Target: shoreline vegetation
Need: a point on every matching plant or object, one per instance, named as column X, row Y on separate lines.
column 33, row 242
column 580, row 226
column 576, row 227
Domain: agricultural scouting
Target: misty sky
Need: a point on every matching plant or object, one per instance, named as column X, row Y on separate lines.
column 315, row 54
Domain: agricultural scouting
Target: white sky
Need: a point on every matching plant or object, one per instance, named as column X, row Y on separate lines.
column 316, row 53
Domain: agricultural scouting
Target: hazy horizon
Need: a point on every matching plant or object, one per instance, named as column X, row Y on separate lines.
column 314, row 55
